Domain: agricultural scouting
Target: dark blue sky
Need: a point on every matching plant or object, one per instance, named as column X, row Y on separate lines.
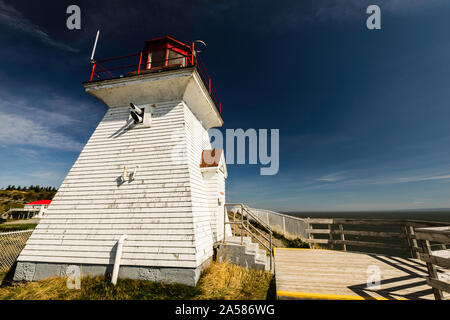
column 363, row 115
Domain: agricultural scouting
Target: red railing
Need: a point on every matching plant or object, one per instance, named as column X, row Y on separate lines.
column 137, row 63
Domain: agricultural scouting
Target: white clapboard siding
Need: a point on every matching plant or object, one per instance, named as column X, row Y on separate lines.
column 106, row 168
column 135, row 210
column 82, row 206
column 52, row 258
column 151, row 245
column 113, row 220
column 100, row 248
column 212, row 185
column 121, row 215
column 165, row 211
column 93, row 192
column 195, row 136
column 104, row 234
column 126, row 197
column 220, row 213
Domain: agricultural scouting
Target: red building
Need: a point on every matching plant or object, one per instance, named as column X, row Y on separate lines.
column 41, row 205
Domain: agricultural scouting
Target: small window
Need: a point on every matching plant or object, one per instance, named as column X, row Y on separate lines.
column 176, row 59
column 156, row 59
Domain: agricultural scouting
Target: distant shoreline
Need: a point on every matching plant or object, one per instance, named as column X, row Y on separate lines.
column 370, row 211
column 419, row 214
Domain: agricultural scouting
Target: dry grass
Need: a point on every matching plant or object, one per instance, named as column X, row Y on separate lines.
column 17, row 227
column 49, row 289
column 219, row 281
column 225, row 281
column 2, row 276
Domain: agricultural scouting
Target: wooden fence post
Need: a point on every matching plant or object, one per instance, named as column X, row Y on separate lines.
column 438, row 295
column 330, row 237
column 412, row 242
column 341, row 230
column 310, row 235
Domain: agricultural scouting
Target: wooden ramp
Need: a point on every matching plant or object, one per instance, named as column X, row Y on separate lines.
column 329, row 274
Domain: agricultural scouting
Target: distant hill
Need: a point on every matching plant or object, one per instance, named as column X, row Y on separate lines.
column 16, row 197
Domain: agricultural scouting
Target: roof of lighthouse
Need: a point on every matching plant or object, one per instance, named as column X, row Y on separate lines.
column 165, row 70
column 169, row 39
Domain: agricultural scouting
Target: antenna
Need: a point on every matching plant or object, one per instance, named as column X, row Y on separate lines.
column 95, row 46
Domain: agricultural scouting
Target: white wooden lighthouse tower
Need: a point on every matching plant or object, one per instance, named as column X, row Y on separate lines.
column 147, row 174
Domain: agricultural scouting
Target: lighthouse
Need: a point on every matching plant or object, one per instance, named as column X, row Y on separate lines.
column 146, row 195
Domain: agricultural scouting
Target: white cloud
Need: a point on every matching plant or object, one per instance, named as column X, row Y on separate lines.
column 19, row 130
column 423, row 178
column 50, row 177
column 45, row 175
column 338, row 176
column 36, row 122
column 13, row 18
column 353, row 179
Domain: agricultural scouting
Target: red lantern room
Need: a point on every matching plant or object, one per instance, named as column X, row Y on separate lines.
column 158, row 55
column 166, row 52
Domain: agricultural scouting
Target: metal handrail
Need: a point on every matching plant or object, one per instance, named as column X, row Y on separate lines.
column 246, row 213
column 256, row 218
column 262, row 235
column 265, row 246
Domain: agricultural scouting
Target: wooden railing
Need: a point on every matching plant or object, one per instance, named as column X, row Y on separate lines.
column 435, row 259
column 393, row 234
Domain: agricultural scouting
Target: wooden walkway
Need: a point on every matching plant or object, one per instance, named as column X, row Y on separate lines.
column 329, row 274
